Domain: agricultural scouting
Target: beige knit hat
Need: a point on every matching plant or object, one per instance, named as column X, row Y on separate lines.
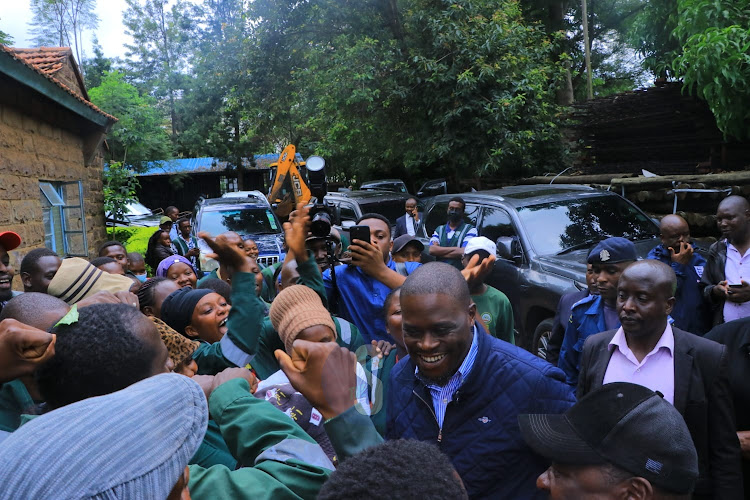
column 295, row 308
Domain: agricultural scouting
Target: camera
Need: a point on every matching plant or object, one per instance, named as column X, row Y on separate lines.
column 321, row 219
column 322, row 214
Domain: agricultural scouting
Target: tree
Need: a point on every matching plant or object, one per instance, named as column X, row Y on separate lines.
column 159, row 56
column 62, row 23
column 120, row 185
column 706, row 44
column 5, row 39
column 715, row 59
column 138, row 136
column 97, row 66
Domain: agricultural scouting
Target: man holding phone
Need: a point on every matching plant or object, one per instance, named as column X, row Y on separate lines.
column 361, row 288
column 676, row 250
column 726, row 277
column 409, row 222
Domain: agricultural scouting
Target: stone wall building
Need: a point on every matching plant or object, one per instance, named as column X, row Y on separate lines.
column 51, row 139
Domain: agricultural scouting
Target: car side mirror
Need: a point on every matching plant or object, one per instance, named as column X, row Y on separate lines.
column 420, row 194
column 509, row 248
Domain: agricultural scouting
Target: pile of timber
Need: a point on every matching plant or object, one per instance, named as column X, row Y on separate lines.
column 656, row 195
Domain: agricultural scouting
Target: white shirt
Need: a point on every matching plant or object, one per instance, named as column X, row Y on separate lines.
column 656, row 371
column 736, row 270
column 411, row 225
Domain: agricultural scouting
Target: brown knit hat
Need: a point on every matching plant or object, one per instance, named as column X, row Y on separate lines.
column 295, row 308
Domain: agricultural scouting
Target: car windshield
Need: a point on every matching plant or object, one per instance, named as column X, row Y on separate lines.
column 564, row 225
column 136, row 208
column 240, row 220
column 390, row 209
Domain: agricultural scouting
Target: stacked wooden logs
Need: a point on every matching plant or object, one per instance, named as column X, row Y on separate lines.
column 656, row 195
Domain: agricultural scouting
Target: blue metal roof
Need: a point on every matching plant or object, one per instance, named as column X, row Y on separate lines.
column 202, row 165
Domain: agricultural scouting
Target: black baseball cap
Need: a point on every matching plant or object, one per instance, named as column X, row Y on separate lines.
column 403, row 240
column 622, row 424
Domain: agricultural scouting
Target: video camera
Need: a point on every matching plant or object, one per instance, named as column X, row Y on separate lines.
column 323, row 214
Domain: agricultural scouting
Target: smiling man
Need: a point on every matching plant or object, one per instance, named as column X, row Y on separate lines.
column 596, row 313
column 464, row 389
column 689, row 371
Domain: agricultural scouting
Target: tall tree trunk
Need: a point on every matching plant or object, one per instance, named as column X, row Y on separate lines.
column 238, row 156
column 556, row 15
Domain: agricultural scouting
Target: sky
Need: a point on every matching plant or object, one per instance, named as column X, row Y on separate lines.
column 16, row 14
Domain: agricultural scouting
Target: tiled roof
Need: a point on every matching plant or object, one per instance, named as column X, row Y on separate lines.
column 47, row 61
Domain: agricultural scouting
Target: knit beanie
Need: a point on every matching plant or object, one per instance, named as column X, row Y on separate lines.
column 295, row 308
column 132, row 443
column 177, row 309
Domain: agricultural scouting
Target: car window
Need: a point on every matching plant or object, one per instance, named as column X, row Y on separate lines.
column 347, row 212
column 240, row 220
column 496, row 223
column 580, row 223
column 390, row 209
column 439, row 216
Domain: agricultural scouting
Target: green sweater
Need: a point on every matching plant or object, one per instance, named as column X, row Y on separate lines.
column 261, row 343
column 278, row 459
column 495, row 310
column 244, row 322
column 14, row 401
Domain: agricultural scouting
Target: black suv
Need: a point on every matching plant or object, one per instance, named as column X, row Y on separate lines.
column 353, row 204
column 249, row 218
column 543, row 236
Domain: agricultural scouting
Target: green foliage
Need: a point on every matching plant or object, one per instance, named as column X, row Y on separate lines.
column 159, row 57
column 134, row 238
column 715, row 64
column 5, row 39
column 138, row 136
column 120, row 185
column 97, row 67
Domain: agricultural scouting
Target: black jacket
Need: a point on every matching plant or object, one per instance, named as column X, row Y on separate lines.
column 713, row 273
column 736, row 336
column 703, row 397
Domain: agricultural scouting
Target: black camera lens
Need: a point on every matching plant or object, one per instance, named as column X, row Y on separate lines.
column 320, row 226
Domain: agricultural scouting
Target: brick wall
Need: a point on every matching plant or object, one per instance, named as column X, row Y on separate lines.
column 32, row 150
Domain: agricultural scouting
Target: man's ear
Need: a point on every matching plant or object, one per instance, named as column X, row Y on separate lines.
column 472, row 312
column 670, row 304
column 191, row 332
column 148, row 311
column 635, row 488
column 26, row 280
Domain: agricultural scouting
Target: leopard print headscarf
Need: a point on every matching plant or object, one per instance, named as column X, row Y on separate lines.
column 180, row 347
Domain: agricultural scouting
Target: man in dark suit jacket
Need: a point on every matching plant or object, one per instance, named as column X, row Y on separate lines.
column 691, row 372
column 410, row 220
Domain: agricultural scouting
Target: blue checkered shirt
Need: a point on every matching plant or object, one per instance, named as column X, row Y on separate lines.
column 443, row 394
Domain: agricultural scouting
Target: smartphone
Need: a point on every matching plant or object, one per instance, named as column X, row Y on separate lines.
column 735, row 286
column 359, row 233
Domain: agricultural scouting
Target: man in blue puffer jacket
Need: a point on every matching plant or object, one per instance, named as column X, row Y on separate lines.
column 463, row 389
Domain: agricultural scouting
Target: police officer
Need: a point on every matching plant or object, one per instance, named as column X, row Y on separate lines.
column 596, row 313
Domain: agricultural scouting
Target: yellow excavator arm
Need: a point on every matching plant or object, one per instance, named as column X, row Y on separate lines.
column 288, row 187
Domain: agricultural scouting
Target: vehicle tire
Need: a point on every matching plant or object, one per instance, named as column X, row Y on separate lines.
column 541, row 337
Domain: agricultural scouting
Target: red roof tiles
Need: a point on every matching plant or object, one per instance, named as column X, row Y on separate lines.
column 48, row 61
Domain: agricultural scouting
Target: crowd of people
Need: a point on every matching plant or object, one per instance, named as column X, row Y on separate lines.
column 363, row 369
